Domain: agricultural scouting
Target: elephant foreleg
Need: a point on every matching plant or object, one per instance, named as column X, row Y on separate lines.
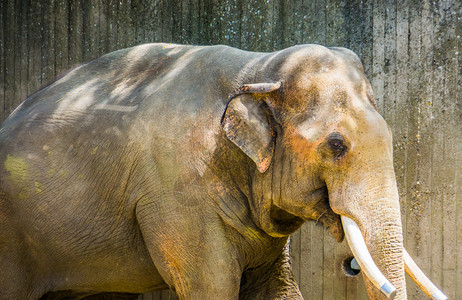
column 273, row 281
column 194, row 257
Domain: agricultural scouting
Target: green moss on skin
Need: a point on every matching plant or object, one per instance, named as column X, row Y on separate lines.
column 17, row 167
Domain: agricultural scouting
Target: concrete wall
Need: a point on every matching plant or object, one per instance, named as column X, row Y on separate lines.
column 411, row 54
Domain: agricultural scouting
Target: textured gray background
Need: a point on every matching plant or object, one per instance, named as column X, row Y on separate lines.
column 411, row 54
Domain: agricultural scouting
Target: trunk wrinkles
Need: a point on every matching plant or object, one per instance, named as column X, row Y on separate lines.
column 384, row 239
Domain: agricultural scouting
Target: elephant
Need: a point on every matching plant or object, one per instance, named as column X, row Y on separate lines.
column 189, row 167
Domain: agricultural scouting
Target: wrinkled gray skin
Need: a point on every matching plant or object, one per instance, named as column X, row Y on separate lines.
column 127, row 175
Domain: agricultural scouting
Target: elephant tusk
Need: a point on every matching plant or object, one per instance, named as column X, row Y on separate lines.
column 358, row 247
column 420, row 279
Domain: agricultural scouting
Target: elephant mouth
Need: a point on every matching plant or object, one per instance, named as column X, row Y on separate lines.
column 323, row 214
column 285, row 222
column 318, row 210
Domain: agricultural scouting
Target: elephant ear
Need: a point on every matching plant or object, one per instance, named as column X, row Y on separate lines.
column 247, row 122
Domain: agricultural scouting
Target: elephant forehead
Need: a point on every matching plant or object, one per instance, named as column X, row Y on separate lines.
column 333, row 91
column 316, row 128
column 340, row 86
column 312, row 59
column 355, row 119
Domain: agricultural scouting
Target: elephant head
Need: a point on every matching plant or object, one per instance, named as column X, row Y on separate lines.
column 322, row 152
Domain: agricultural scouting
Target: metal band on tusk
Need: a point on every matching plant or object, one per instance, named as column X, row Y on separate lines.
column 389, row 290
column 358, row 247
column 420, row 279
column 438, row 295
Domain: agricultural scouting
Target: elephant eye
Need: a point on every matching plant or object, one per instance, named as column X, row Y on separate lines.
column 337, row 144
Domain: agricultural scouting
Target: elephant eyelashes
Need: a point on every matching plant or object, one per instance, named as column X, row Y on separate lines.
column 336, row 145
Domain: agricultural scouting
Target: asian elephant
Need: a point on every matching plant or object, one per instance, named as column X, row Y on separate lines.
column 189, row 167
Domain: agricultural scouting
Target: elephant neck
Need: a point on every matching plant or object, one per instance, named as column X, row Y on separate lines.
column 229, row 187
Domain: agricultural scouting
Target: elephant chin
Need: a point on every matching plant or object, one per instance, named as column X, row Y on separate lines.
column 333, row 223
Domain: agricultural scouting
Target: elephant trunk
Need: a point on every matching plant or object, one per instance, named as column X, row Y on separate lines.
column 374, row 275
column 371, row 221
column 358, row 247
column 384, row 240
column 373, row 204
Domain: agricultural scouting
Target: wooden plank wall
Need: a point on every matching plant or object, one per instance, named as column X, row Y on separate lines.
column 411, row 54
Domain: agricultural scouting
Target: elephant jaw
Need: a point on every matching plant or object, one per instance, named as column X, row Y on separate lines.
column 284, row 223
column 358, row 247
column 286, row 219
